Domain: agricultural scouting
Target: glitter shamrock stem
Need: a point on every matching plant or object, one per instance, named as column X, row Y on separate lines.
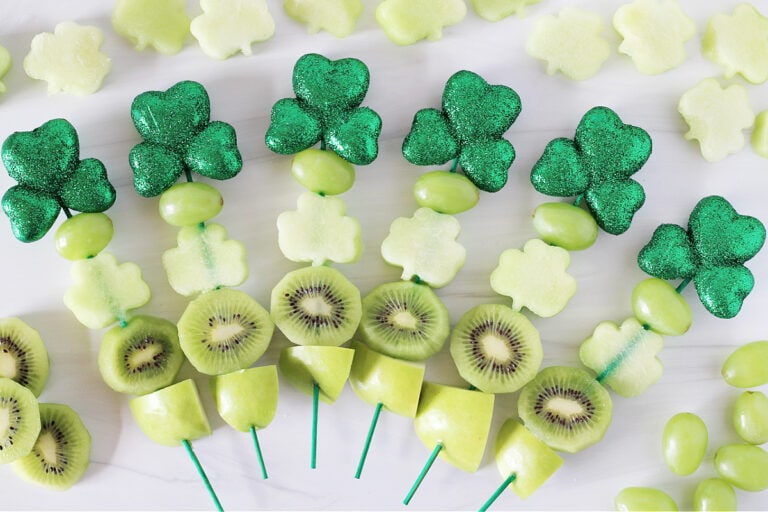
column 682, row 285
column 259, row 456
column 368, row 439
column 497, row 492
column 201, row 472
column 423, row 473
column 188, row 175
column 322, row 144
column 455, row 164
column 577, row 201
column 315, row 397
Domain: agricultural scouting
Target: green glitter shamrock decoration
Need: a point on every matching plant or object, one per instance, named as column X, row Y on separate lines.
column 468, row 130
column 46, row 164
column 596, row 165
column 712, row 253
column 179, row 137
column 326, row 109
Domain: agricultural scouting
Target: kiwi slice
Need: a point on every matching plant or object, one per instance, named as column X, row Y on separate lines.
column 496, row 349
column 141, row 357
column 23, row 356
column 19, row 420
column 316, row 306
column 62, row 451
column 404, row 320
column 566, row 408
column 224, row 330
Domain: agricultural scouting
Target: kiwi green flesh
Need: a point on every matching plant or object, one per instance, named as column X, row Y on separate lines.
column 23, row 356
column 496, row 349
column 19, row 420
column 566, row 408
column 224, row 330
column 141, row 357
column 246, row 398
column 316, row 306
column 62, row 451
column 404, row 320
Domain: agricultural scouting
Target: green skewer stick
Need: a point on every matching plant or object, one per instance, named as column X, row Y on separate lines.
column 423, row 473
column 201, row 472
column 315, row 398
column 368, row 439
column 258, row 453
column 497, row 492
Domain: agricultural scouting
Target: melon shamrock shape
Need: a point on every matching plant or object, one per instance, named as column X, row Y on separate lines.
column 46, row 164
column 179, row 137
column 711, row 252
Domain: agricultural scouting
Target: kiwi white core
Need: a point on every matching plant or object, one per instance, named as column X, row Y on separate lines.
column 405, row 320
column 315, row 305
column 564, row 407
column 8, row 365
column 496, row 347
column 223, row 333
column 5, row 422
column 47, row 448
column 142, row 358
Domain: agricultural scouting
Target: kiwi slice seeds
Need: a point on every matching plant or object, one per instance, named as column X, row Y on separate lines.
column 496, row 349
column 19, row 420
column 404, row 320
column 23, row 356
column 566, row 408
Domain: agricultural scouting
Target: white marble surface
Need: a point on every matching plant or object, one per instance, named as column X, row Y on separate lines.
column 128, row 471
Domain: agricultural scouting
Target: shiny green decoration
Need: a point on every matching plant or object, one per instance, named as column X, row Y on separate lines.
column 46, row 164
column 596, row 165
column 327, row 109
column 712, row 253
column 475, row 115
column 179, row 137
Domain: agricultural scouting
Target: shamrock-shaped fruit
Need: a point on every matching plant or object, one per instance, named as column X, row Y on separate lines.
column 738, row 43
column 408, row 21
column 337, row 17
column 229, row 26
column 5, row 65
column 161, row 24
column 496, row 10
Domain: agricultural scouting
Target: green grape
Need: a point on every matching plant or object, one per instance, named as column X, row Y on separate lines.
column 657, row 304
column 322, row 172
column 747, row 366
column 189, row 204
column 684, row 443
column 565, row 225
column 643, row 498
column 743, row 465
column 445, row 192
column 714, row 494
column 750, row 417
column 84, row 235
column 760, row 134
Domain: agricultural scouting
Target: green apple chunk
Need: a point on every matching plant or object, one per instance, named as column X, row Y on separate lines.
column 456, row 418
column 246, row 398
column 172, row 415
column 377, row 378
column 328, row 367
column 521, row 453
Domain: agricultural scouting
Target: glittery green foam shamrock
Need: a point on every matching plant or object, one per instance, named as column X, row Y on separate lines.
column 712, row 252
column 46, row 164
column 596, row 165
column 179, row 137
column 475, row 115
column 326, row 109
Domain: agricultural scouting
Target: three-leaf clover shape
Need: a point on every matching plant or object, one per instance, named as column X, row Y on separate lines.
column 46, row 164
column 179, row 137
column 475, row 115
column 596, row 165
column 712, row 252
column 326, row 109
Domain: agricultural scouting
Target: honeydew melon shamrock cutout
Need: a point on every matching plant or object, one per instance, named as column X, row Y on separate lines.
column 711, row 252
column 326, row 109
column 596, row 165
column 46, row 164
column 161, row 24
column 179, row 137
column 337, row 17
column 5, row 65
column 738, row 43
column 496, row 10
column 408, row 21
column 475, row 115
column 229, row 26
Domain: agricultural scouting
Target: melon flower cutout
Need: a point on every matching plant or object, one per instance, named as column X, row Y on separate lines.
column 738, row 43
column 337, row 17
column 570, row 42
column 496, row 10
column 161, row 24
column 69, row 59
column 711, row 252
column 229, row 26
column 179, row 138
column 408, row 21
column 5, row 65
column 51, row 177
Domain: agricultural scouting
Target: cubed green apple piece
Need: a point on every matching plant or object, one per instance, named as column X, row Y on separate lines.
column 328, row 367
column 172, row 415
column 246, row 398
column 458, row 419
column 377, row 378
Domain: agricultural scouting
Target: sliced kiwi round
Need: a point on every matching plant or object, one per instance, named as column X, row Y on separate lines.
column 224, row 330
column 316, row 306
column 566, row 408
column 62, row 451
column 19, row 420
column 404, row 320
column 496, row 349
column 141, row 357
column 23, row 356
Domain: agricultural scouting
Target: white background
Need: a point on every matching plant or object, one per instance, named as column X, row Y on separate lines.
column 128, row 471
